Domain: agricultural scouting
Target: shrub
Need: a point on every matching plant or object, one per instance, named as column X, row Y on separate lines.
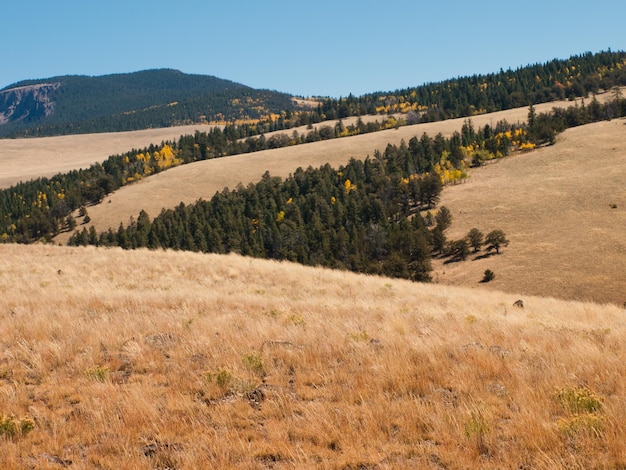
column 578, row 400
column 489, row 275
column 589, row 424
column 98, row 373
column 254, row 363
column 10, row 427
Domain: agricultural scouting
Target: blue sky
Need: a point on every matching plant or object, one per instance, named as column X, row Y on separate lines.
column 327, row 48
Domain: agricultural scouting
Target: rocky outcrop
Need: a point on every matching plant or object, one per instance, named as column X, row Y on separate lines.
column 27, row 103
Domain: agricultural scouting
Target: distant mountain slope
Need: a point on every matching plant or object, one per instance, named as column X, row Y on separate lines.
column 151, row 98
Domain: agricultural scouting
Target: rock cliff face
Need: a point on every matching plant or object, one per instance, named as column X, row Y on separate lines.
column 27, row 103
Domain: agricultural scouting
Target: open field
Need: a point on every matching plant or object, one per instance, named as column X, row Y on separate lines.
column 25, row 159
column 563, row 209
column 148, row 360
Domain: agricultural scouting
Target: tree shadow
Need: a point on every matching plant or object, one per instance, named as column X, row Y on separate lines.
column 485, row 255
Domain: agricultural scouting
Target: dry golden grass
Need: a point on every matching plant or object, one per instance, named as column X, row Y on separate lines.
column 563, row 209
column 179, row 360
column 26, row 159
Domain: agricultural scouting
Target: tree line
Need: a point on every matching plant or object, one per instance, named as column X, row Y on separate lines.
column 39, row 209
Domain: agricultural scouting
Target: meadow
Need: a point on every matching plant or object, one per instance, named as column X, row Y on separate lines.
column 563, row 209
column 139, row 359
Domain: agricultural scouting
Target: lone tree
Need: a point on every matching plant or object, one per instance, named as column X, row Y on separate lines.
column 495, row 239
column 475, row 239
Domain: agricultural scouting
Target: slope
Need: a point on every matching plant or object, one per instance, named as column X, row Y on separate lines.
column 180, row 360
column 564, row 211
column 189, row 183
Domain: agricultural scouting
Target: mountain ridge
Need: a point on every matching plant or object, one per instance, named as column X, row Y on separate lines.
column 73, row 104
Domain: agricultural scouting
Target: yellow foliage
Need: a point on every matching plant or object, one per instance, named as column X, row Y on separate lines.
column 349, row 186
column 166, row 157
column 281, row 216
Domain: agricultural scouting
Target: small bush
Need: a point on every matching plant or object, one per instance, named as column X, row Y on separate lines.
column 488, row 276
column 11, row 427
column 359, row 336
column 98, row 373
column 223, row 378
column 589, row 424
column 253, row 363
column 297, row 319
column 578, row 400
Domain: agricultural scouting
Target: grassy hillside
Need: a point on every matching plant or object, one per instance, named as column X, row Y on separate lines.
column 188, row 183
column 564, row 210
column 571, row 241
column 160, row 359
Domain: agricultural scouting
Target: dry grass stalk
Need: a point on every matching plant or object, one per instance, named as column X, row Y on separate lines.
column 163, row 359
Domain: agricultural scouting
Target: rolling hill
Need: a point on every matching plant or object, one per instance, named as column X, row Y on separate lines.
column 165, row 359
column 534, row 197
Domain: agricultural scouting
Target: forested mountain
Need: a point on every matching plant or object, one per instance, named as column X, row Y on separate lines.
column 140, row 100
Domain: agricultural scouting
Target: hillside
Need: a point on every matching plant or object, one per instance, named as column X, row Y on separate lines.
column 163, row 98
column 188, row 183
column 137, row 359
column 121, row 102
column 570, row 230
column 564, row 210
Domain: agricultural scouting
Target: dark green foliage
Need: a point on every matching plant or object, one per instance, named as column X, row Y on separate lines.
column 140, row 100
column 488, row 276
column 443, row 218
column 475, row 239
column 495, row 240
column 313, row 217
column 458, row 250
column 464, row 96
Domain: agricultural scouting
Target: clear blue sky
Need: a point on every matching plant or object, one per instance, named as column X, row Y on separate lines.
column 329, row 48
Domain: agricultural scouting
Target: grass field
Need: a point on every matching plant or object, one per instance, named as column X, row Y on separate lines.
column 145, row 360
column 563, row 209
